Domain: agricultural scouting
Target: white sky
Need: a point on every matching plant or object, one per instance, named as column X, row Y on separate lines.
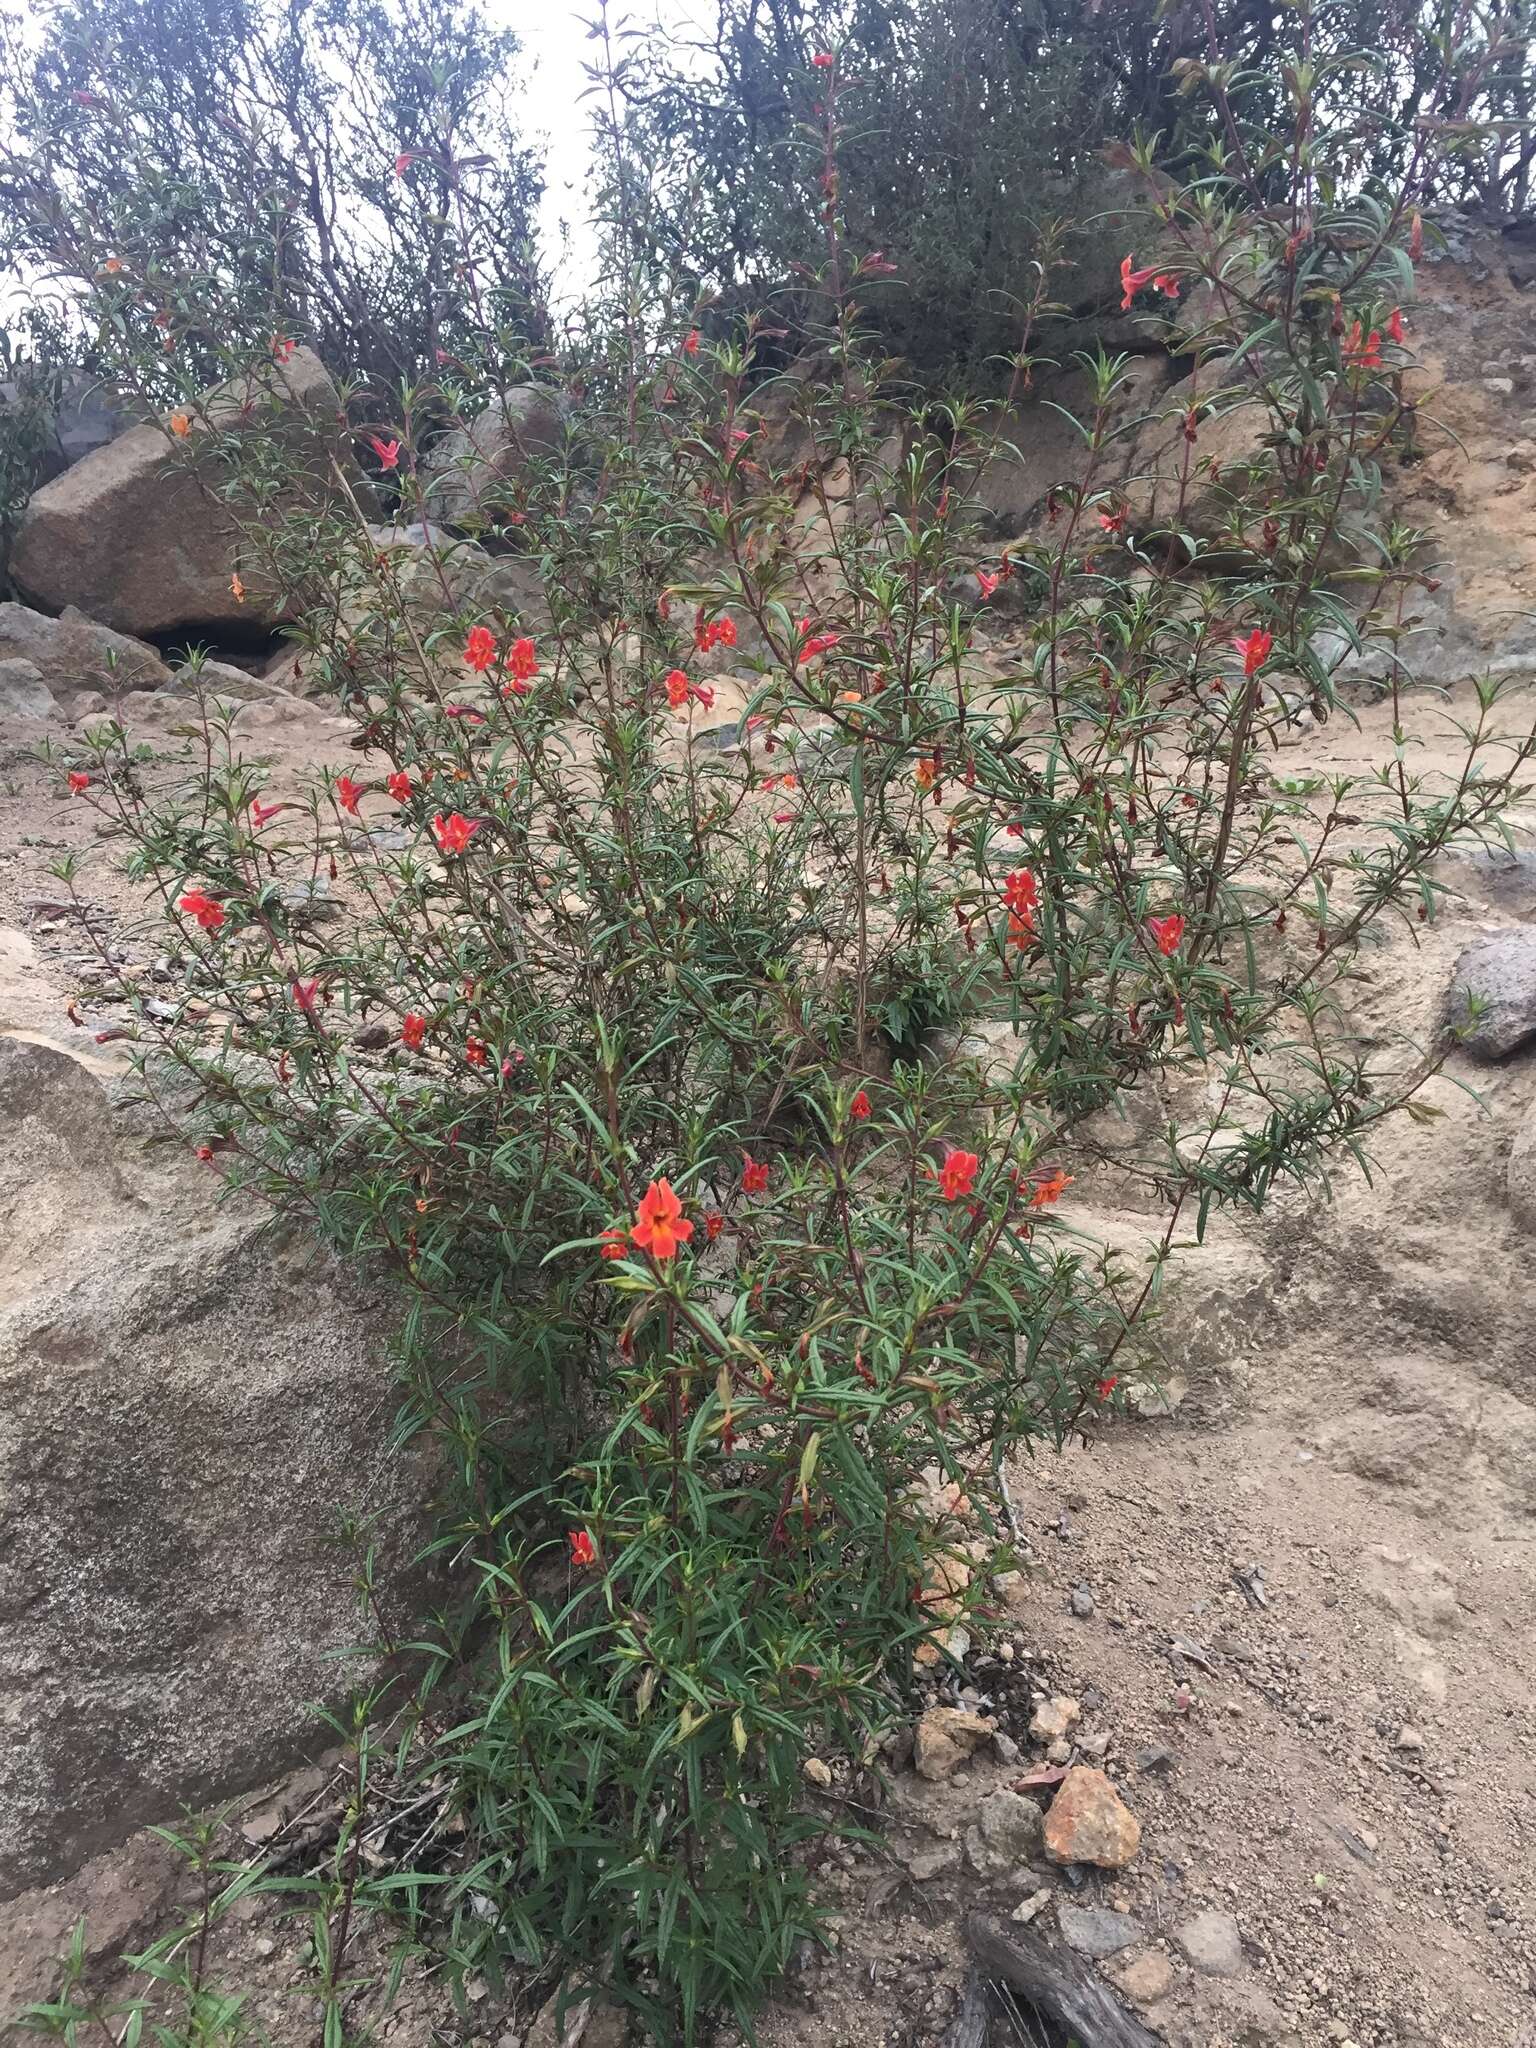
column 554, row 114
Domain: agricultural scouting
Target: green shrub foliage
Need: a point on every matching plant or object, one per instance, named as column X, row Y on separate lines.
column 678, row 846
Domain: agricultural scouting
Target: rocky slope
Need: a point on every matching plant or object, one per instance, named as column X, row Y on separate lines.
column 1289, row 1609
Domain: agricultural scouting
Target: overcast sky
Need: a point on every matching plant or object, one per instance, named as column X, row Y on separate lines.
column 554, row 36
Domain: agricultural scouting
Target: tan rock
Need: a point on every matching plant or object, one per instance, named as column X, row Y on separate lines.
column 74, row 654
column 1090, row 1823
column 136, row 535
column 186, row 1402
column 1055, row 1718
column 947, row 1737
column 1144, row 1978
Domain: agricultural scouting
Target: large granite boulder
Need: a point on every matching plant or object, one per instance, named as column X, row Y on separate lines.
column 139, row 534
column 73, row 654
column 186, row 1406
column 473, row 473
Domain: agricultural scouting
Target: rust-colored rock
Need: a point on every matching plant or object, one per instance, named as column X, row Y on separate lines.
column 1090, row 1823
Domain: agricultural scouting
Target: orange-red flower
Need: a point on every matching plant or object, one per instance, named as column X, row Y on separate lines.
column 691, row 343
column 926, row 773
column 1107, row 1387
column 988, row 582
column 754, row 1175
column 614, row 1243
column 660, row 1225
column 1049, row 1191
column 1254, row 647
column 957, row 1176
column 476, row 1052
column 454, row 832
column 209, row 914
column 1168, row 932
column 1395, row 326
column 399, row 786
column 181, row 425
column 714, row 633
column 262, row 814
column 677, row 689
column 823, row 60
column 413, row 1031
column 347, row 793
column 714, row 1223
column 480, row 648
column 583, row 1549
column 522, row 660
column 1363, row 351
column 1021, row 893
column 305, row 994
column 282, row 348
column 1133, row 281
column 859, row 1106
column 388, row 452
column 79, row 782
column 237, row 588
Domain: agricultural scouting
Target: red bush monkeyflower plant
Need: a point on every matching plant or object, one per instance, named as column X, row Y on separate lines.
column 643, row 960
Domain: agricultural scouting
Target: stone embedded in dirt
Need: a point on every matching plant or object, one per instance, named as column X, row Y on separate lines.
column 1009, row 1831
column 1409, row 1740
column 1032, row 1907
column 1096, row 1930
column 1090, row 1823
column 1082, row 1602
column 23, row 692
column 1500, row 971
column 1143, row 1979
column 1152, row 1400
column 135, row 538
column 945, row 1738
column 817, row 1773
column 1213, row 1942
column 1055, row 1717
column 925, row 1864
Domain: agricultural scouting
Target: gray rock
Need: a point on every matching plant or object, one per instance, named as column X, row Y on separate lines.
column 23, row 693
column 311, row 902
column 1500, row 971
column 1095, row 1930
column 74, row 654
column 1009, row 1830
column 472, row 474
column 1082, row 1603
column 1492, row 875
column 185, row 1404
column 139, row 536
column 1213, row 1942
column 929, row 1863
